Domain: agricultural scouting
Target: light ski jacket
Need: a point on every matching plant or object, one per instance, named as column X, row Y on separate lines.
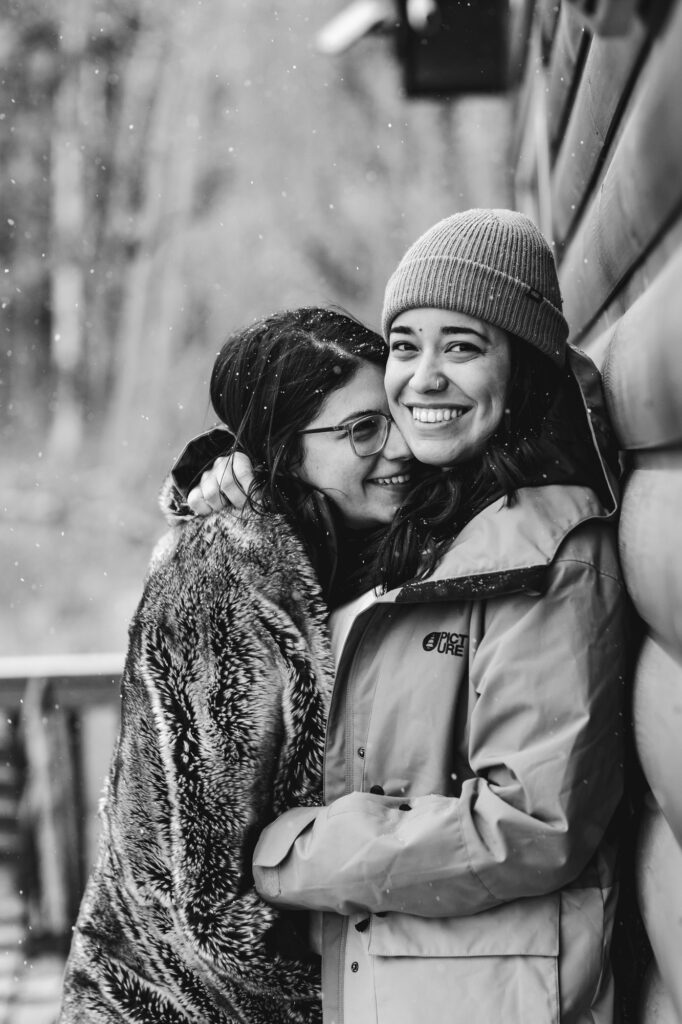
column 473, row 768
column 224, row 700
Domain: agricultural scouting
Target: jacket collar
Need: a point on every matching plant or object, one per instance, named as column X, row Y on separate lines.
column 507, row 549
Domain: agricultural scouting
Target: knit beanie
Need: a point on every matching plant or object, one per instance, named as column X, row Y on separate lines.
column 494, row 265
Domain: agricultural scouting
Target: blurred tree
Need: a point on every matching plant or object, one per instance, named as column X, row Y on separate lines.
column 267, row 176
column 167, row 178
column 54, row 127
column 168, row 173
column 27, row 55
column 70, row 242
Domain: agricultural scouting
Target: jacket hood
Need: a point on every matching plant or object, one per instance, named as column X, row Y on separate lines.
column 173, row 503
column 604, row 449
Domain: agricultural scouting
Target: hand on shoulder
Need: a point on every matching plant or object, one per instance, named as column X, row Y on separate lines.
column 224, row 485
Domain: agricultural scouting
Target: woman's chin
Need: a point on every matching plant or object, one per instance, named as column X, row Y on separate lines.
column 436, row 453
column 446, row 451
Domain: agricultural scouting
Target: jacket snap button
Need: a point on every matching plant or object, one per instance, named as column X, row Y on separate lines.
column 361, row 751
column 377, row 790
column 355, row 967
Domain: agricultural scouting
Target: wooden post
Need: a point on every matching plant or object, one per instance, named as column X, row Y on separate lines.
column 68, row 222
column 49, row 813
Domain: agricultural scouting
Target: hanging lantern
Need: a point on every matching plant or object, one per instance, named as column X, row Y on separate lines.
column 454, row 46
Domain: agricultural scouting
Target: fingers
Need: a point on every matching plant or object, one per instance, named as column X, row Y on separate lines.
column 236, row 476
column 196, row 502
column 224, row 485
column 210, row 485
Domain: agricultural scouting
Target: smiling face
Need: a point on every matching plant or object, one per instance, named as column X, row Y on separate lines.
column 367, row 491
column 446, row 379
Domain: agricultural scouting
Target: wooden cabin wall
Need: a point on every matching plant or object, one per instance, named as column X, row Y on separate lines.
column 598, row 165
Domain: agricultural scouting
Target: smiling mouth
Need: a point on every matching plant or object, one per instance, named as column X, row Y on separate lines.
column 399, row 480
column 424, row 414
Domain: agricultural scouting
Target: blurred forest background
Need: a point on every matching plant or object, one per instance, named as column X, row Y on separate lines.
column 169, row 171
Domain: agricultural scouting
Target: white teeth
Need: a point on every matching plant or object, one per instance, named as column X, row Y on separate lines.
column 431, row 415
column 392, row 481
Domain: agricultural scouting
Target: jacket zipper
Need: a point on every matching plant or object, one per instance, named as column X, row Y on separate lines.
column 342, row 965
column 348, row 772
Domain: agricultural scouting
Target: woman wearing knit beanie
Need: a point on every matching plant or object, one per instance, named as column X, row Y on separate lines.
column 464, row 860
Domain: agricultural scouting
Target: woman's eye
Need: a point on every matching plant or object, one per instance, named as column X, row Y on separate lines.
column 464, row 348
column 400, row 345
column 365, row 428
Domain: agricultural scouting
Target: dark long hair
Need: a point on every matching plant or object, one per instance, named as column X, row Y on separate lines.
column 538, row 420
column 270, row 380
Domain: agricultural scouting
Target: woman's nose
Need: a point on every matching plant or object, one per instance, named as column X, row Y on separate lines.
column 427, row 377
column 396, row 447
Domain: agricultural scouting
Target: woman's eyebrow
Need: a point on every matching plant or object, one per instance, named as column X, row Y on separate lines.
column 350, row 416
column 449, row 329
column 464, row 330
column 362, row 412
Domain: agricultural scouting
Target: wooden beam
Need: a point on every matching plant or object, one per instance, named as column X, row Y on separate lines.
column 547, row 17
column 650, row 539
column 568, row 56
column 656, row 1005
column 61, row 665
column 657, row 722
column 641, row 194
column 595, row 340
column 74, row 679
column 642, row 370
column 531, row 156
column 659, row 887
column 606, row 17
column 523, row 97
column 604, row 88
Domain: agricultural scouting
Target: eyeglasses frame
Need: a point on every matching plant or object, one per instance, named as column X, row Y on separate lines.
column 348, row 427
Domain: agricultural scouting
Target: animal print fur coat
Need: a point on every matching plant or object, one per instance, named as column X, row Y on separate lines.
column 223, row 707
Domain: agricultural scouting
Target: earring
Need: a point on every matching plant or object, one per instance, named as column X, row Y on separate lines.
column 507, row 421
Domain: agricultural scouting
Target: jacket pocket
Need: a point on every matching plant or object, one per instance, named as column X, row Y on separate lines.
column 529, row 926
column 500, row 965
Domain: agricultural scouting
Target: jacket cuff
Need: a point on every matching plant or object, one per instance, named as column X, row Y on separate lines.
column 274, row 845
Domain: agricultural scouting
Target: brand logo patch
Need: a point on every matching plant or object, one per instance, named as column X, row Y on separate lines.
column 445, row 643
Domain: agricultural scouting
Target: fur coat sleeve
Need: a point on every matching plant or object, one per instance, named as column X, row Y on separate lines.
column 223, row 708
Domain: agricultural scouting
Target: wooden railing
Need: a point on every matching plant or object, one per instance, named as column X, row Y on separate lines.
column 59, row 720
column 74, row 678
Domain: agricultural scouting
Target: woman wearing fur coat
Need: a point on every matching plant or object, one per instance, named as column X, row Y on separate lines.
column 226, row 688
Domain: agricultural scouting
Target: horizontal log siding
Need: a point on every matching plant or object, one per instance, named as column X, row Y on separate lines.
column 641, row 193
column 610, row 68
column 614, row 150
column 567, row 56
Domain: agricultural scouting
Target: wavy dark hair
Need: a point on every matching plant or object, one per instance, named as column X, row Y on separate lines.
column 539, row 422
column 270, row 380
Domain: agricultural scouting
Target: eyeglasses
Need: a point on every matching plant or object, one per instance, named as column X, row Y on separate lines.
column 367, row 434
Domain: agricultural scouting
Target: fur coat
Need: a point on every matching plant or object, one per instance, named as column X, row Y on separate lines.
column 223, row 705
